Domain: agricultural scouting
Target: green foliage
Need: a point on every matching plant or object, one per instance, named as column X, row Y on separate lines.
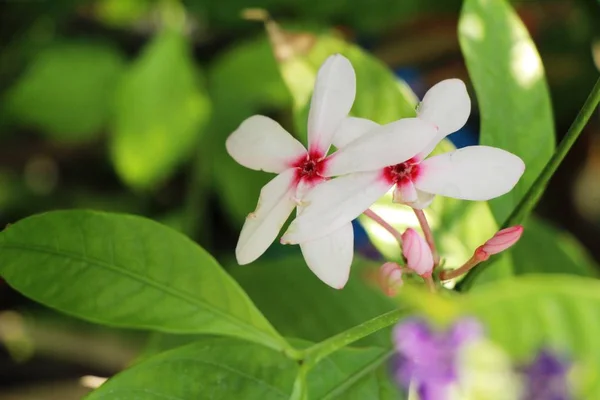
column 129, row 272
column 299, row 305
column 214, row 368
column 557, row 311
column 67, row 90
column 543, row 248
column 161, row 110
column 220, row 368
column 506, row 70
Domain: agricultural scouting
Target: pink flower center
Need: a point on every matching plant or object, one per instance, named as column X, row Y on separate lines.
column 309, row 168
column 403, row 172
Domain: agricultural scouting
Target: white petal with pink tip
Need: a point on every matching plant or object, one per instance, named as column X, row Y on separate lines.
column 335, row 89
column 261, row 227
column 262, row 144
column 330, row 257
column 351, row 129
column 387, row 145
column 334, row 203
column 471, row 173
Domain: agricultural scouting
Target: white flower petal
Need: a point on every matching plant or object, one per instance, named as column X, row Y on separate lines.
column 275, row 205
column 335, row 89
column 387, row 145
column 423, row 201
column 330, row 257
column 447, row 105
column 405, row 193
column 262, row 144
column 332, row 204
column 351, row 129
column 471, row 173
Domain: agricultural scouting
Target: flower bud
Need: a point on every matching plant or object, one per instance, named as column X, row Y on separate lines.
column 390, row 277
column 501, row 241
column 417, row 252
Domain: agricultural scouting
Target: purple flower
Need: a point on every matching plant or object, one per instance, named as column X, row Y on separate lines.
column 428, row 357
column 546, row 377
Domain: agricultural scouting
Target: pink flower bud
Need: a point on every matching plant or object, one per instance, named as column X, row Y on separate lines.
column 390, row 277
column 501, row 241
column 417, row 252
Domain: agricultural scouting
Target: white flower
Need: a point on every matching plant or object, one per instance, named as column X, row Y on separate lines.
column 262, row 144
column 379, row 158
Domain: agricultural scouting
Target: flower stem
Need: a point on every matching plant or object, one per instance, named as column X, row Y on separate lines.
column 371, row 214
column 317, row 352
column 533, row 195
column 428, row 235
column 449, row 274
column 429, row 282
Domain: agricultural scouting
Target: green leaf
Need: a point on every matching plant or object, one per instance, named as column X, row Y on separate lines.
column 67, row 90
column 161, row 110
column 127, row 271
column 459, row 227
column 228, row 368
column 526, row 313
column 213, row 368
column 380, row 96
column 356, row 374
column 242, row 82
column 562, row 253
column 308, row 309
column 508, row 76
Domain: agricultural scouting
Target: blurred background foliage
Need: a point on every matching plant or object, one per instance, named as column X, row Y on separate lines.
column 124, row 105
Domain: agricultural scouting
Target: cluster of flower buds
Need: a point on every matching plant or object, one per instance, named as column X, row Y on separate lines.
column 446, row 364
column 329, row 190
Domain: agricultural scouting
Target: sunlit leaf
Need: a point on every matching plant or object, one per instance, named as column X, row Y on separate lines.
column 127, row 271
column 67, row 90
column 562, row 253
column 161, row 110
column 300, row 305
column 513, row 98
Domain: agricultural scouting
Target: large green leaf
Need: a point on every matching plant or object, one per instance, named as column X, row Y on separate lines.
column 219, row 368
column 67, row 90
column 514, row 103
column 300, row 305
column 242, row 82
column 354, row 374
column 561, row 252
column 161, row 109
column 212, row 368
column 459, row 227
column 127, row 271
column 559, row 311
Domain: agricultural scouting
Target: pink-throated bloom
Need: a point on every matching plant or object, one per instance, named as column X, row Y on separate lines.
column 374, row 164
column 417, row 252
column 262, row 144
column 501, row 241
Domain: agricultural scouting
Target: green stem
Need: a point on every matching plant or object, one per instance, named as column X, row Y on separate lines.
column 317, row 352
column 533, row 195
